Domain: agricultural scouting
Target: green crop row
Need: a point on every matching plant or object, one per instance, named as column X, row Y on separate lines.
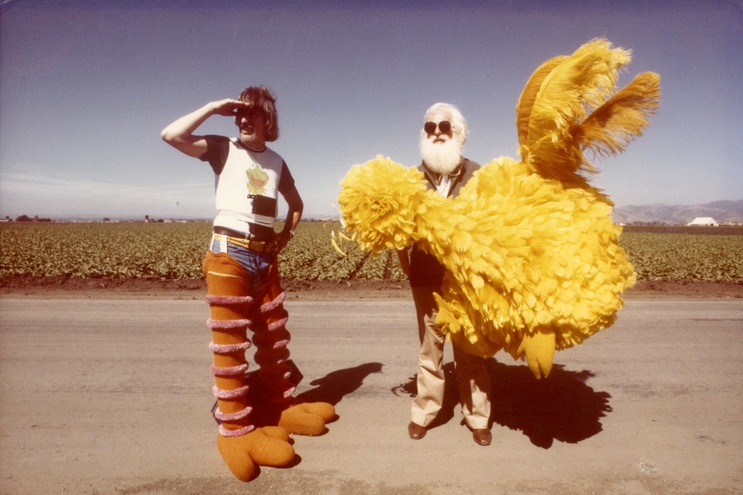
column 659, row 256
column 174, row 251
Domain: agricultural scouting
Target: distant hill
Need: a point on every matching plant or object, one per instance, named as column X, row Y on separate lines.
column 722, row 211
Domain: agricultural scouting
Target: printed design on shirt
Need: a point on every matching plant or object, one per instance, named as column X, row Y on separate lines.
column 257, row 180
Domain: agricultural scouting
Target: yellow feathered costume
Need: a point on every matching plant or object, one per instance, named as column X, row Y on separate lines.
column 530, row 249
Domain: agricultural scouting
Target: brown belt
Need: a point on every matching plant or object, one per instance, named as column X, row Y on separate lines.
column 248, row 242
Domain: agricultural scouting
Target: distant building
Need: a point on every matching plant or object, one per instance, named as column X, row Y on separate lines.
column 704, row 221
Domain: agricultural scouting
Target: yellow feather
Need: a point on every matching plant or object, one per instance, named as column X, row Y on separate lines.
column 581, row 82
column 336, row 247
column 341, row 235
column 529, row 94
column 614, row 124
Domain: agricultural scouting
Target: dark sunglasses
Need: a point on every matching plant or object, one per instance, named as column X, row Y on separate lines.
column 444, row 126
column 246, row 113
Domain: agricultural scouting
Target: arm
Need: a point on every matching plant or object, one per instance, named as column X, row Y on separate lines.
column 179, row 133
column 293, row 216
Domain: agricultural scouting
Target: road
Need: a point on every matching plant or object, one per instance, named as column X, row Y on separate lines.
column 112, row 396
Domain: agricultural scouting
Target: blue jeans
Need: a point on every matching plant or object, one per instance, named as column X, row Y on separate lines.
column 256, row 264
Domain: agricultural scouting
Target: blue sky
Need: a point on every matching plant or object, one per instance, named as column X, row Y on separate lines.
column 86, row 87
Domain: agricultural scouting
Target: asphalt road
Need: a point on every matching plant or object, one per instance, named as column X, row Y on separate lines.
column 112, row 397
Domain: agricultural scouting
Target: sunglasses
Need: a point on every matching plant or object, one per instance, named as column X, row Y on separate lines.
column 246, row 113
column 444, row 126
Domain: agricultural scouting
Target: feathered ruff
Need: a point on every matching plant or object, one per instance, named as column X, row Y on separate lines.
column 381, row 201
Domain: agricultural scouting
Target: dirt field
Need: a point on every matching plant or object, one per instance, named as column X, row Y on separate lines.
column 305, row 290
column 106, row 390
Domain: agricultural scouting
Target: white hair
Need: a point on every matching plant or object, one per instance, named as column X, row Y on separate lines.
column 458, row 123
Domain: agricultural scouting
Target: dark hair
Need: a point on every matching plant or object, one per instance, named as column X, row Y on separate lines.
column 263, row 99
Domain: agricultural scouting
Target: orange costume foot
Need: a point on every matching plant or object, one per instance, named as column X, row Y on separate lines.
column 268, row 446
column 307, row 418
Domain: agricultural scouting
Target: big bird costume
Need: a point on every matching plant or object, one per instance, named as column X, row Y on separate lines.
column 532, row 255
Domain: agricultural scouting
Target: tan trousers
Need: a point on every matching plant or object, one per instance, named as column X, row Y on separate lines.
column 473, row 380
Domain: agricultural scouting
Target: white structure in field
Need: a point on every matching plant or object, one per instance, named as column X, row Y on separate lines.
column 704, row 221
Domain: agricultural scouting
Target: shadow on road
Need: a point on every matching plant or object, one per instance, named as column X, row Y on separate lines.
column 337, row 384
column 561, row 408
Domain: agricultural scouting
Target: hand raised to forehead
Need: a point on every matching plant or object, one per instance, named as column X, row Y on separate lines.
column 230, row 107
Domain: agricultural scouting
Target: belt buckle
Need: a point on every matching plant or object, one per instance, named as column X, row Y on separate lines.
column 261, row 246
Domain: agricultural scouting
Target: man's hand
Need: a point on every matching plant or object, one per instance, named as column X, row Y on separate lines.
column 282, row 239
column 228, row 107
column 180, row 133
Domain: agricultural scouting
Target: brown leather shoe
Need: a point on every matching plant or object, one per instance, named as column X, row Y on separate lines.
column 416, row 431
column 482, row 437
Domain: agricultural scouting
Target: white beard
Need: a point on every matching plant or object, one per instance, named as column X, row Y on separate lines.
column 441, row 158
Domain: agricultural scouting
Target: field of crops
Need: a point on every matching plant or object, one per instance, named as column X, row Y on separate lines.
column 175, row 250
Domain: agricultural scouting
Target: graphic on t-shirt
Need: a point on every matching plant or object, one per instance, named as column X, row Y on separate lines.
column 257, row 180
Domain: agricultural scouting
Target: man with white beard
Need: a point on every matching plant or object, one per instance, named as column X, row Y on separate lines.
column 442, row 139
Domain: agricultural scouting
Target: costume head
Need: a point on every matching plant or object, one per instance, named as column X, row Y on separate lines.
column 260, row 98
column 442, row 138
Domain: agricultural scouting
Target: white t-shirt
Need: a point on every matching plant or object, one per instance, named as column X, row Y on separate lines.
column 246, row 183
